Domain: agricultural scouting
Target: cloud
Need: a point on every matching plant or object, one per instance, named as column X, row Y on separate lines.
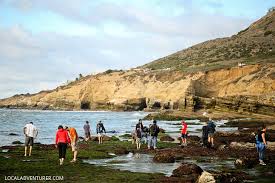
column 95, row 36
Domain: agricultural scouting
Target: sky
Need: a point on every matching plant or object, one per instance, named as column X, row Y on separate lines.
column 43, row 44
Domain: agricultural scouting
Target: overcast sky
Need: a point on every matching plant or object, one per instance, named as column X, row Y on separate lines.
column 44, row 43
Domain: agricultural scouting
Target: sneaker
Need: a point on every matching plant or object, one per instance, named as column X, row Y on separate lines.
column 73, row 161
column 262, row 163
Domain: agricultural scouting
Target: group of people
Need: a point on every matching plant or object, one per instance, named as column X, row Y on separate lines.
column 147, row 135
column 209, row 129
column 67, row 136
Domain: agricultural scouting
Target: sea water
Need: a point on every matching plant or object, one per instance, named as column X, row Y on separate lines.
column 116, row 123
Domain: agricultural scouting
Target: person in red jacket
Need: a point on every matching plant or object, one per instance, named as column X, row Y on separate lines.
column 62, row 139
column 184, row 133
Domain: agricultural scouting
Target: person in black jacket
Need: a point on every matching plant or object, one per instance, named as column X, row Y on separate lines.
column 153, row 135
column 99, row 130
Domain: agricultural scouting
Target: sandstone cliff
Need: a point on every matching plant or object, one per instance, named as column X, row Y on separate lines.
column 206, row 76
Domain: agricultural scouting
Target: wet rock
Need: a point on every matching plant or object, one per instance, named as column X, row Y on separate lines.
column 246, row 162
column 166, row 138
column 161, row 130
column 105, row 138
column 17, row 142
column 121, row 151
column 242, row 145
column 222, row 147
column 13, row 134
column 190, row 172
column 232, row 177
column 164, row 158
column 191, row 138
column 206, row 177
column 194, row 138
column 112, row 131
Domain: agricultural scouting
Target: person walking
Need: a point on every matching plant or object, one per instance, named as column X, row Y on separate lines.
column 184, row 133
column 62, row 139
column 74, row 142
column 30, row 131
column 99, row 130
column 87, row 131
column 211, row 130
column 261, row 143
column 153, row 135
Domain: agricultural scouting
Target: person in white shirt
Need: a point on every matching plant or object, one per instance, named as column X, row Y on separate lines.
column 30, row 132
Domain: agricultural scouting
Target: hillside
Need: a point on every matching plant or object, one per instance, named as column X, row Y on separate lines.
column 256, row 44
column 205, row 76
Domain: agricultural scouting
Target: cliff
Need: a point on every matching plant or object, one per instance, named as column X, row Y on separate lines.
column 206, row 76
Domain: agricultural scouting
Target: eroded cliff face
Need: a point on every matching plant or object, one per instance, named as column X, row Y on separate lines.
column 249, row 88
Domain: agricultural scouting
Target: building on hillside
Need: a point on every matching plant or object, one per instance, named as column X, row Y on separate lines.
column 241, row 64
column 271, row 9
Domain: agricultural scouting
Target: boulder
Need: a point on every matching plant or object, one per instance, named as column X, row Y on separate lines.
column 242, row 145
column 105, row 138
column 232, row 177
column 166, row 138
column 17, row 142
column 13, row 134
column 188, row 171
column 246, row 162
column 161, row 130
column 206, row 177
column 164, row 158
column 121, row 151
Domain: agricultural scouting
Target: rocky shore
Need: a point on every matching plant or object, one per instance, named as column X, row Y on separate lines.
column 237, row 147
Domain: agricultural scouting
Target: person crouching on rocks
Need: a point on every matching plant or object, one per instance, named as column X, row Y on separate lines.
column 62, row 139
column 261, row 144
column 99, row 130
column 153, row 135
column 184, row 133
column 74, row 142
column 211, row 130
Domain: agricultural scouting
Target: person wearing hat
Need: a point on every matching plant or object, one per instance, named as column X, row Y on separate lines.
column 153, row 135
column 183, row 133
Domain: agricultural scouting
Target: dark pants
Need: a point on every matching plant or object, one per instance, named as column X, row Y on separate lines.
column 205, row 141
column 62, row 147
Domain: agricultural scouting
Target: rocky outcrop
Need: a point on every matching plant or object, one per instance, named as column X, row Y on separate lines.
column 164, row 158
column 167, row 138
column 190, row 172
column 133, row 90
column 204, row 76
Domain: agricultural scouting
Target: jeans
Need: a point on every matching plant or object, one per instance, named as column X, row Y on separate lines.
column 152, row 141
column 261, row 149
